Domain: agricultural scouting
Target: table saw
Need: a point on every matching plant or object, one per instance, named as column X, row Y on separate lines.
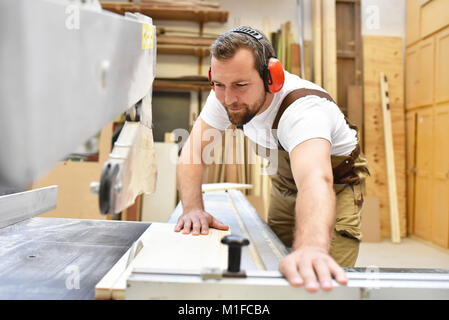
column 81, row 64
column 69, row 68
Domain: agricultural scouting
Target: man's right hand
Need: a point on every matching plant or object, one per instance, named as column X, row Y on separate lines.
column 198, row 221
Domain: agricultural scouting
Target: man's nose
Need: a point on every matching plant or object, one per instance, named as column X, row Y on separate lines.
column 229, row 96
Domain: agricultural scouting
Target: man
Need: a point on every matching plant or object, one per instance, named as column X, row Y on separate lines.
column 317, row 190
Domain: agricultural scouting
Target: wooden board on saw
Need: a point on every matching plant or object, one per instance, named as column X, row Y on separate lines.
column 384, row 54
column 210, row 187
column 163, row 248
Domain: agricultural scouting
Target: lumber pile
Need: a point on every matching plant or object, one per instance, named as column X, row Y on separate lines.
column 288, row 51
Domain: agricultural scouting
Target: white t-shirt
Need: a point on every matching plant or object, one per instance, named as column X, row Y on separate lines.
column 306, row 118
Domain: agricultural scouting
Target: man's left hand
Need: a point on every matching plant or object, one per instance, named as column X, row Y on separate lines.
column 312, row 267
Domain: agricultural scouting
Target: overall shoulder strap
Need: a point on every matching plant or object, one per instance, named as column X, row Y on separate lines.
column 295, row 95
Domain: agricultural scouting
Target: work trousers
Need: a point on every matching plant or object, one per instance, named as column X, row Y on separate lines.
column 349, row 202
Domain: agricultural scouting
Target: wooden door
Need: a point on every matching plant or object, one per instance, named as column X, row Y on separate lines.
column 410, row 123
column 423, row 188
column 440, row 210
column 349, row 52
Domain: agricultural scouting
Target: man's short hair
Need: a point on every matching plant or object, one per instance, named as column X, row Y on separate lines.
column 227, row 44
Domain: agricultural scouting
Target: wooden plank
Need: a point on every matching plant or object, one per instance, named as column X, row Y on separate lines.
column 167, row 85
column 187, row 50
column 209, row 187
column 191, row 41
column 162, row 248
column 389, row 152
column 200, row 3
column 168, row 13
column 134, row 153
column 283, row 56
column 355, row 109
column 295, row 66
column 308, row 60
column 371, row 220
column 384, row 54
column 288, row 41
column 330, row 48
column 317, row 42
column 153, row 209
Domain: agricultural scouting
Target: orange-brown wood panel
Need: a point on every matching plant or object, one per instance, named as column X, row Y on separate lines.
column 384, row 54
column 426, row 59
column 440, row 210
column 434, row 15
column 411, row 77
column 412, row 20
column 410, row 124
column 423, row 195
column 442, row 69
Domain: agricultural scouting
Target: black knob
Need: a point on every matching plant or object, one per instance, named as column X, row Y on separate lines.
column 235, row 244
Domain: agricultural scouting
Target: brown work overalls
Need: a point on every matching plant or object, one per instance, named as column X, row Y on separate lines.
column 349, row 180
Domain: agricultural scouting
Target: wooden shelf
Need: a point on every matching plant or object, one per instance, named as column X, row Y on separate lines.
column 161, row 12
column 181, row 84
column 199, row 47
column 183, row 50
column 191, row 41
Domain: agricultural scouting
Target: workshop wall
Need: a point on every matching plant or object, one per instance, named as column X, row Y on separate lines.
column 427, row 119
column 383, row 32
column 264, row 15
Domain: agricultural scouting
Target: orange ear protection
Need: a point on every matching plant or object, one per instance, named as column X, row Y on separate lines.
column 273, row 73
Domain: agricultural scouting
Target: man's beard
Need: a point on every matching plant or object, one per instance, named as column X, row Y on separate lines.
column 246, row 114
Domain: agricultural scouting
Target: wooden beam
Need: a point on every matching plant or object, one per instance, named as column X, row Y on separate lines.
column 389, row 153
column 176, row 85
column 187, row 50
column 330, row 48
column 184, row 41
column 317, row 41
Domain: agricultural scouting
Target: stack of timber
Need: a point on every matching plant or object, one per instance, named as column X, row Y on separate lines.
column 289, row 53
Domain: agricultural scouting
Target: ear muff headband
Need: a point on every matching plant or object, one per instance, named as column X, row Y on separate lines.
column 212, row 85
column 273, row 72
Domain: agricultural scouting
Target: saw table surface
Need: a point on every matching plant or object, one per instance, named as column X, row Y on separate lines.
column 46, row 258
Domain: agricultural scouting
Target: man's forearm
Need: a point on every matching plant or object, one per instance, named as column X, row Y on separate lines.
column 315, row 214
column 190, row 178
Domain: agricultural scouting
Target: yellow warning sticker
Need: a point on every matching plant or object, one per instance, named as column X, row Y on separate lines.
column 147, row 37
